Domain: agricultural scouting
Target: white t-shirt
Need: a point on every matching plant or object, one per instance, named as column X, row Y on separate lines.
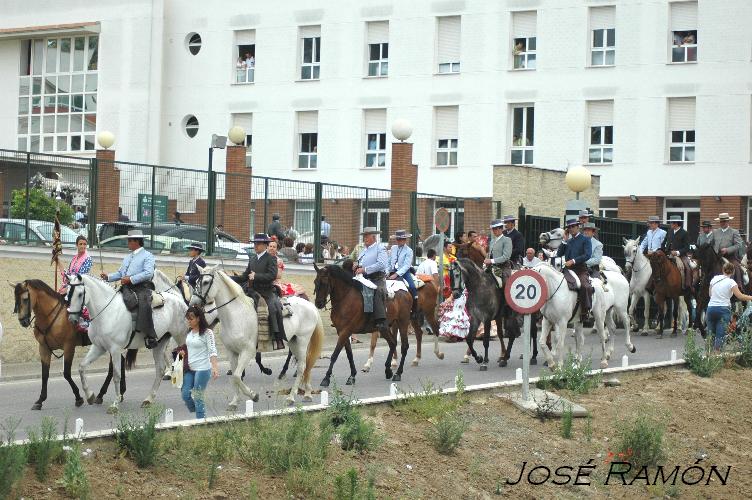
column 428, row 266
column 721, row 291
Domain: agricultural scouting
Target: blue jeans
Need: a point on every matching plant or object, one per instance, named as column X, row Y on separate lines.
column 411, row 284
column 717, row 318
column 196, row 382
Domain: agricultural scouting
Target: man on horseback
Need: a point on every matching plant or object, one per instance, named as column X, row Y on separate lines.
column 518, row 240
column 135, row 275
column 706, row 236
column 596, row 252
column 653, row 239
column 192, row 274
column 676, row 246
column 260, row 275
column 499, row 253
column 728, row 243
column 373, row 262
column 401, row 265
column 576, row 252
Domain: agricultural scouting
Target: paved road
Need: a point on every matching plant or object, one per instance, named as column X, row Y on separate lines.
column 16, row 397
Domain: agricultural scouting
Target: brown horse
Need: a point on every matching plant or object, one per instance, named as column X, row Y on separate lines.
column 711, row 265
column 668, row 285
column 336, row 284
column 470, row 251
column 53, row 331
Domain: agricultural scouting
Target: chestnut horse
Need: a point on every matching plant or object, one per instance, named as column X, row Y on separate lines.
column 711, row 265
column 336, row 284
column 53, row 331
column 668, row 285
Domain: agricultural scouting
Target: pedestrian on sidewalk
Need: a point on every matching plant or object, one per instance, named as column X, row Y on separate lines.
column 202, row 361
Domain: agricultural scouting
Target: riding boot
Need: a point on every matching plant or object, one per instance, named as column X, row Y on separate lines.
column 414, row 311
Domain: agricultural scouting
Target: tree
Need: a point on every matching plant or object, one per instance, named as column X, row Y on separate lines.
column 41, row 206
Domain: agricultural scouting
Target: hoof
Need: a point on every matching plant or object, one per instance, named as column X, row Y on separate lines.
column 644, row 333
column 478, row 359
column 229, row 372
column 673, row 334
column 255, row 398
column 415, row 362
column 112, row 410
column 366, row 368
column 99, row 400
column 604, row 364
column 350, row 380
column 307, row 398
column 533, row 361
column 388, row 372
column 166, row 377
column 290, row 401
column 633, row 349
column 483, row 367
column 90, row 399
column 79, row 402
column 440, row 355
column 281, row 375
column 145, row 403
column 36, row 406
column 266, row 371
column 324, row 383
column 397, row 378
column 659, row 336
column 232, row 408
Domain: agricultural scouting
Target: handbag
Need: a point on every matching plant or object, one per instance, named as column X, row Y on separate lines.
column 179, row 365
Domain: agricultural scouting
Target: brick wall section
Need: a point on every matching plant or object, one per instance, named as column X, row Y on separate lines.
column 736, row 206
column 237, row 213
column 344, row 217
column 108, row 186
column 199, row 216
column 478, row 215
column 404, row 181
column 639, row 210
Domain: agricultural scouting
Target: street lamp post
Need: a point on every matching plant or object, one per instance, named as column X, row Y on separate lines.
column 578, row 179
column 218, row 142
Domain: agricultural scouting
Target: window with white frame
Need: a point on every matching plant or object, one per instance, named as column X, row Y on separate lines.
column 524, row 44
column 682, row 129
column 307, row 139
column 310, row 52
column 375, row 130
column 449, row 35
column 447, row 137
column 683, row 32
column 57, row 104
column 601, row 129
column 303, row 217
column 523, row 134
column 603, row 36
column 378, row 48
column 245, row 64
column 608, row 208
column 375, row 213
column 245, row 121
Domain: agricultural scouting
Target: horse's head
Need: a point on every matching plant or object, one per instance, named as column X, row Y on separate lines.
column 322, row 285
column 76, row 297
column 205, row 291
column 456, row 282
column 23, row 303
column 631, row 247
column 552, row 239
column 348, row 265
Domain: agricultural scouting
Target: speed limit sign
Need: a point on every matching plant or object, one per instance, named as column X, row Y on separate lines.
column 526, row 291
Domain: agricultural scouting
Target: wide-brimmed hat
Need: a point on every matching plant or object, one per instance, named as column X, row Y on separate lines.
column 675, row 218
column 509, row 218
column 369, row 230
column 135, row 234
column 572, row 222
column 496, row 223
column 401, row 234
column 195, row 246
column 275, row 216
column 706, row 223
column 589, row 225
column 261, row 238
column 724, row 216
column 654, row 218
column 584, row 213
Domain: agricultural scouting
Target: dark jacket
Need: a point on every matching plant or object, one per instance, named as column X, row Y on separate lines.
column 578, row 249
column 276, row 229
column 192, row 273
column 265, row 269
column 678, row 242
column 518, row 244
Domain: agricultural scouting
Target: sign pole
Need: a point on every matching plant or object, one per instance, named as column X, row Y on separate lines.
column 526, row 358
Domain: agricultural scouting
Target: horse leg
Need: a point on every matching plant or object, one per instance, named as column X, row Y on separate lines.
column 46, row 358
column 434, row 324
column 106, row 385
column 244, row 358
column 265, row 370
column 371, row 351
column 646, row 312
column 116, row 376
column 675, row 314
column 404, row 347
column 159, row 366
column 351, row 360
column 69, row 350
column 286, row 366
column 514, row 332
column 542, row 334
column 505, row 349
column 470, row 339
column 561, row 335
column 295, row 345
column 236, row 389
column 418, row 329
column 628, row 338
column 486, row 342
column 661, row 301
column 600, row 320
column 633, row 299
column 343, row 337
column 533, row 340
column 94, row 353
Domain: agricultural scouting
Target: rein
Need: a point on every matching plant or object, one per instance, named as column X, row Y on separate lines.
column 83, row 301
column 44, row 332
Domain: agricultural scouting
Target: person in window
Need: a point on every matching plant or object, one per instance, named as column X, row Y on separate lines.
column 517, row 141
column 241, row 63
column 519, row 48
column 689, row 39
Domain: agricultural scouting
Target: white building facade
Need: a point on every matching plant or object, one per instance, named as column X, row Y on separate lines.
column 655, row 97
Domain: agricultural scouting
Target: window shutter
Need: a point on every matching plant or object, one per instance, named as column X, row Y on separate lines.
column 524, row 24
column 375, row 121
column 244, row 120
column 682, row 113
column 602, row 17
column 449, row 39
column 310, row 31
column 245, row 37
column 446, row 122
column 308, row 122
column 378, row 32
column 683, row 16
column 600, row 113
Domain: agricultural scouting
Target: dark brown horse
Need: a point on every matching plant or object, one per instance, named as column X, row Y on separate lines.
column 336, row 284
column 470, row 251
column 53, row 331
column 668, row 285
column 711, row 265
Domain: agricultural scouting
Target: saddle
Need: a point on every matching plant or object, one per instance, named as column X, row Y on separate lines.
column 394, row 286
column 130, row 300
column 573, row 281
column 264, row 339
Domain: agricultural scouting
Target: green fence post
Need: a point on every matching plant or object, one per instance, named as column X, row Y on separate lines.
column 522, row 222
column 317, row 202
column 414, row 221
column 92, row 215
column 365, row 212
column 28, row 194
column 153, row 195
column 211, row 203
column 266, row 204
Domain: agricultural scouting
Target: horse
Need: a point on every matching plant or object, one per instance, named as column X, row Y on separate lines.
column 111, row 329
column 336, row 284
column 468, row 250
column 638, row 266
column 711, row 265
column 668, row 284
column 52, row 331
column 239, row 332
column 552, row 240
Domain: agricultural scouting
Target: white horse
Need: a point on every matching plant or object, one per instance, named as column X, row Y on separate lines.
column 553, row 239
column 110, row 330
column 639, row 266
column 239, row 333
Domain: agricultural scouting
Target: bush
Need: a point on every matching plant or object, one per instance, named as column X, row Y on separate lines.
column 699, row 360
column 43, row 447
column 358, row 434
column 340, row 408
column 446, row 433
column 566, row 423
column 41, row 206
column 641, row 437
column 138, row 437
column 74, row 479
column 744, row 344
column 347, row 487
column 430, row 402
column 12, row 458
column 572, row 376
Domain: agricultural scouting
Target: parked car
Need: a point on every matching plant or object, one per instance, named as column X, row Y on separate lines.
column 14, row 230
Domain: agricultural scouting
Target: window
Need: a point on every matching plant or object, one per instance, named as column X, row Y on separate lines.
column 307, row 139
column 375, row 130
column 303, row 218
column 446, row 136
column 191, row 126
column 689, row 210
column 683, row 32
column 378, row 48
column 245, row 121
column 245, row 64
column 193, row 41
column 524, row 25
column 600, row 120
column 608, row 208
column 376, row 214
column 310, row 51
column 523, row 134
column 682, row 129
column 57, row 91
column 448, row 42
column 603, row 33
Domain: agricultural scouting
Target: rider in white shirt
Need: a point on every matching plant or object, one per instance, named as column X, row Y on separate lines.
column 653, row 239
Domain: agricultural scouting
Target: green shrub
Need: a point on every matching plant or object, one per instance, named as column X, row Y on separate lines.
column 566, row 423
column 74, row 479
column 429, row 403
column 699, row 359
column 43, row 447
column 41, row 206
column 572, row 376
column 641, row 438
column 138, row 437
column 12, row 458
column 744, row 344
column 588, row 427
column 340, row 408
column 358, row 434
column 347, row 487
column 445, row 435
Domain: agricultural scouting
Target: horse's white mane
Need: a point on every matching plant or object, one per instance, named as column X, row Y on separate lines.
column 235, row 289
column 88, row 279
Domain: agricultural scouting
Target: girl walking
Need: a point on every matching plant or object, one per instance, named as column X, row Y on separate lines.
column 202, row 361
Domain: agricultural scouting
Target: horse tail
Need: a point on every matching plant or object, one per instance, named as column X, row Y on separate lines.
column 314, row 349
column 130, row 358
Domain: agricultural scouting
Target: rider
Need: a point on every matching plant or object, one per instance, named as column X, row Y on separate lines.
column 135, row 275
column 584, row 217
column 499, row 252
column 275, row 228
column 400, row 264
column 192, row 274
column 653, row 239
column 518, row 241
column 261, row 273
column 373, row 262
column 676, row 246
column 728, row 243
column 706, row 236
column 596, row 250
column 576, row 251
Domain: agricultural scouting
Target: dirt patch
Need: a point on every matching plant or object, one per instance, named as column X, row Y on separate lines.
column 710, row 416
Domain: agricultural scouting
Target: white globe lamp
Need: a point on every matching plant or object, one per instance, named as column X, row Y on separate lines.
column 578, row 179
column 402, row 129
column 106, row 139
column 237, row 135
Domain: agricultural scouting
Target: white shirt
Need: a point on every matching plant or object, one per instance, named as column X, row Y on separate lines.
column 200, row 349
column 530, row 263
column 428, row 266
column 721, row 291
column 259, row 255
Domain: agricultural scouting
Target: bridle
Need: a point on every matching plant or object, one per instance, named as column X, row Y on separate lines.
column 77, row 314
column 631, row 262
column 318, row 284
column 32, row 319
column 204, row 296
column 456, row 282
